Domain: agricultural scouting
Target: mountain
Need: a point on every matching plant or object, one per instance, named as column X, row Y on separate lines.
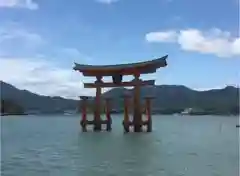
column 117, row 96
column 168, row 99
column 35, row 103
column 9, row 107
column 175, row 98
column 183, row 97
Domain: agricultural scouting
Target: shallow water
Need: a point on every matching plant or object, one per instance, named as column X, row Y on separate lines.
column 178, row 146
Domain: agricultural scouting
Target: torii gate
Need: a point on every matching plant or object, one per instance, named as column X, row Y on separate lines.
column 117, row 72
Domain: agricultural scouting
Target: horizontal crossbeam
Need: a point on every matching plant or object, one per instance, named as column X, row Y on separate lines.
column 122, row 84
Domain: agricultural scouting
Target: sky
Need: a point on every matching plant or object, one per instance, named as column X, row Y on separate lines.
column 41, row 39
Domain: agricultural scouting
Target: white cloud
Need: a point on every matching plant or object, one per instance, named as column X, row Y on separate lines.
column 71, row 52
column 214, row 41
column 74, row 53
column 43, row 77
column 26, row 36
column 236, row 46
column 29, row 4
column 107, row 1
column 14, row 39
column 164, row 36
column 27, row 61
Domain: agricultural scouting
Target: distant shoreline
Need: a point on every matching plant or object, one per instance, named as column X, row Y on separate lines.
column 53, row 114
column 17, row 114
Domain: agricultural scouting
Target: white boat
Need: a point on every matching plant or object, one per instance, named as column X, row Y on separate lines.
column 186, row 111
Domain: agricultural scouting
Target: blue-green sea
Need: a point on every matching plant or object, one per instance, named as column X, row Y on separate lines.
column 178, row 146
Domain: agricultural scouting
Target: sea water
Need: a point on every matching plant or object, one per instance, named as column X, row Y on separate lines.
column 177, row 146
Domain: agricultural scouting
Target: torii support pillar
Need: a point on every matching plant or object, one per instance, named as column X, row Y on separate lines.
column 126, row 123
column 108, row 115
column 83, row 121
column 148, row 113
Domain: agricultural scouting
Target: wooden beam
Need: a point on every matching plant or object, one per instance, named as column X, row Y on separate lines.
column 123, row 72
column 122, row 84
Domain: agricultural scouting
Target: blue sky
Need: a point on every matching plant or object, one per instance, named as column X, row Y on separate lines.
column 40, row 40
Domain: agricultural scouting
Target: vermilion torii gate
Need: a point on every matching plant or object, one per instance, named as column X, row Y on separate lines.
column 117, row 72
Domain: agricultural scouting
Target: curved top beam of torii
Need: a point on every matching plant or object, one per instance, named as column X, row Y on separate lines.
column 123, row 69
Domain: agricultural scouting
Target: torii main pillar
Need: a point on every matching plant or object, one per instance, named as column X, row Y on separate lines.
column 137, row 111
column 97, row 112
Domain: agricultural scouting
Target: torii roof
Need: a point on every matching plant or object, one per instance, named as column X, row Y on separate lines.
column 123, row 69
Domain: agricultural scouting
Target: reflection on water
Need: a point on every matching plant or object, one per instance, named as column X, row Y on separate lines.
column 178, row 145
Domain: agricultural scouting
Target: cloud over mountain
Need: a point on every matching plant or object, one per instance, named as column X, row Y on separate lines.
column 214, row 41
column 43, row 77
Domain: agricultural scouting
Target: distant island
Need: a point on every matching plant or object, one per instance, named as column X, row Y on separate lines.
column 32, row 103
column 169, row 99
